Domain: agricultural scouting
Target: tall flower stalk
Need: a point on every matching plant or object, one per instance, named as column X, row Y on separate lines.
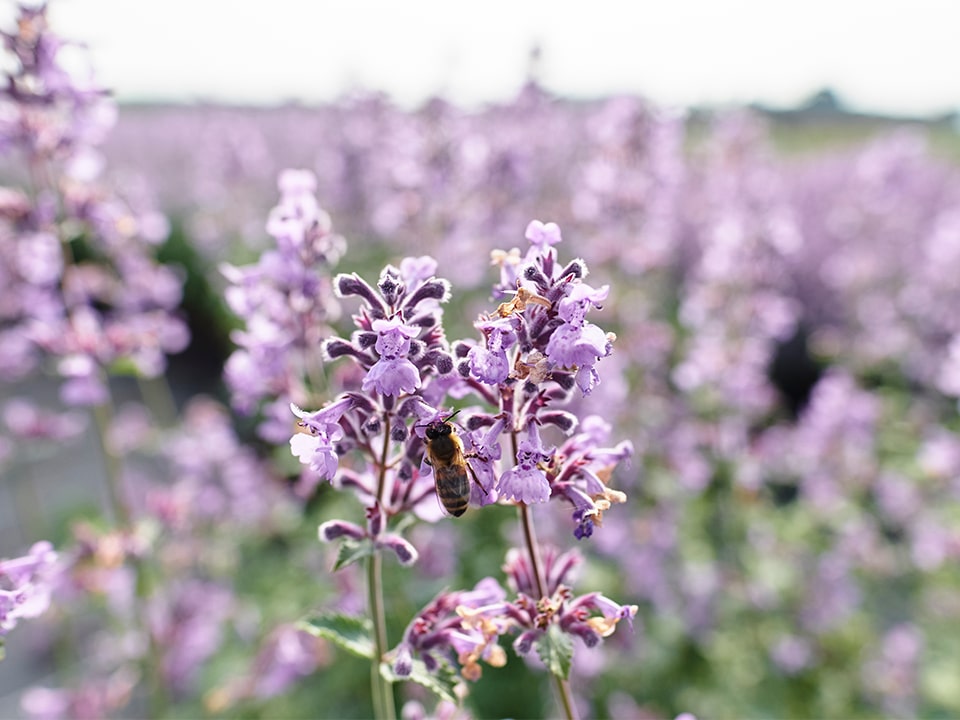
column 81, row 292
column 534, row 352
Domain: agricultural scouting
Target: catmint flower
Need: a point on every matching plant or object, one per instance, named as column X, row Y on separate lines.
column 456, row 625
column 583, row 470
column 578, row 344
column 594, row 616
column 286, row 302
column 25, row 585
column 485, row 451
column 406, row 553
column 542, row 236
column 317, row 447
column 393, row 373
column 527, row 482
column 417, row 270
column 590, row 617
column 489, row 364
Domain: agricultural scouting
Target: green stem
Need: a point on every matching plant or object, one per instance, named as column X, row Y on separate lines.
column 158, row 397
column 536, row 565
column 103, row 416
column 382, row 690
column 123, row 517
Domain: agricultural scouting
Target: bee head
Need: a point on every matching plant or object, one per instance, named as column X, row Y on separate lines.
column 439, row 428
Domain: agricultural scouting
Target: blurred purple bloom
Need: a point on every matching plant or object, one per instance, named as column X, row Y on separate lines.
column 84, row 384
column 24, row 420
column 25, row 585
column 288, row 655
column 187, row 621
column 542, row 235
column 96, row 698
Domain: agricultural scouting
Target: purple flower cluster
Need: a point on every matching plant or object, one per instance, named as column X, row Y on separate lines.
column 535, row 350
column 466, row 625
column 78, row 285
column 409, row 370
column 286, row 303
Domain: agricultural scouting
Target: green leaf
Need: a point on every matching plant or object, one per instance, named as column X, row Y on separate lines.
column 354, row 634
column 353, row 550
column 555, row 648
column 441, row 682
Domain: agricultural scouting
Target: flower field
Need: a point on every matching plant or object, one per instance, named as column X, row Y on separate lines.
column 553, row 408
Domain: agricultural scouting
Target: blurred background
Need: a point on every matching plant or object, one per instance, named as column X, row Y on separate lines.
column 771, row 191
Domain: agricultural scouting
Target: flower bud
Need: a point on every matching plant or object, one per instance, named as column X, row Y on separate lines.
column 333, row 529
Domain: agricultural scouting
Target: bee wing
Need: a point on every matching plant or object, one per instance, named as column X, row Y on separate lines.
column 453, row 488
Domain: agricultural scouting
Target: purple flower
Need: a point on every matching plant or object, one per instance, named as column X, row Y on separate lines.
column 393, row 373
column 26, row 420
column 318, row 448
column 486, row 450
column 25, row 585
column 461, row 624
column 489, row 364
column 417, row 270
column 527, row 482
column 406, row 553
column 577, row 343
column 595, row 613
column 187, row 622
column 542, row 236
column 288, row 655
column 84, row 384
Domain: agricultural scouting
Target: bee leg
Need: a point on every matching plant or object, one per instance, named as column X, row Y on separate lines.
column 474, row 474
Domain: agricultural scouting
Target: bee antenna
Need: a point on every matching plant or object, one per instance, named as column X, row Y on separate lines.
column 446, row 419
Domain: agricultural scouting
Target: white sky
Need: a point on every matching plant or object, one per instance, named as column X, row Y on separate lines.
column 899, row 56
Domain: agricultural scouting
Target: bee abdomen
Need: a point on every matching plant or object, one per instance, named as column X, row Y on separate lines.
column 453, row 489
column 456, row 505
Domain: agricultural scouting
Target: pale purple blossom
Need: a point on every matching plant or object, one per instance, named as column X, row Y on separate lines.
column 393, row 373
column 317, row 447
column 542, row 236
column 26, row 585
column 526, row 482
column 578, row 344
column 489, row 364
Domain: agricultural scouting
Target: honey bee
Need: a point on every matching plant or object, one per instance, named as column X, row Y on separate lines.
column 445, row 455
